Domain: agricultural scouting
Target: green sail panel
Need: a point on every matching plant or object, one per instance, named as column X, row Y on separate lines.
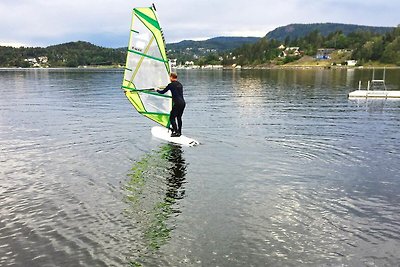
column 147, row 67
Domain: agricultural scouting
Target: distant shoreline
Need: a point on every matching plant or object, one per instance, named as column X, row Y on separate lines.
column 224, row 68
column 321, row 67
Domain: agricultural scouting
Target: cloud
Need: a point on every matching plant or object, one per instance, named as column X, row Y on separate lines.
column 40, row 21
column 106, row 22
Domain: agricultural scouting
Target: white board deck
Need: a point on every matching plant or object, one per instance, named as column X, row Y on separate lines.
column 165, row 134
column 374, row 93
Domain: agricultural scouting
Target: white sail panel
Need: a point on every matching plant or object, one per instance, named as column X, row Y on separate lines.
column 147, row 67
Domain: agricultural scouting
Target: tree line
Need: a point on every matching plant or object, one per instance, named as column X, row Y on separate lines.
column 71, row 54
column 365, row 46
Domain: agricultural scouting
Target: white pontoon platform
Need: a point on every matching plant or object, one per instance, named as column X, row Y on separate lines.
column 375, row 89
column 374, row 93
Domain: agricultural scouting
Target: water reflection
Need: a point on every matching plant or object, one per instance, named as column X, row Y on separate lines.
column 375, row 104
column 155, row 186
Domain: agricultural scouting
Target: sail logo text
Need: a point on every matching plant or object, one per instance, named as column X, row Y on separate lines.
column 137, row 49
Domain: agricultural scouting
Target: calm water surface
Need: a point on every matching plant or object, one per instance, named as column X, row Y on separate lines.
column 290, row 172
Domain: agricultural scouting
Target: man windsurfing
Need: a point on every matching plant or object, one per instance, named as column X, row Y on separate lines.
column 178, row 104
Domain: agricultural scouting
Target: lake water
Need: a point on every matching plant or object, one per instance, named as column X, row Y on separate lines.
column 290, row 172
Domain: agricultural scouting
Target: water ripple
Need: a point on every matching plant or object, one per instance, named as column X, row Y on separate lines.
column 289, row 173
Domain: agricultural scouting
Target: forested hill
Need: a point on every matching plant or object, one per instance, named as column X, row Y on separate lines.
column 190, row 50
column 293, row 31
column 364, row 47
column 362, row 43
column 217, row 43
column 72, row 54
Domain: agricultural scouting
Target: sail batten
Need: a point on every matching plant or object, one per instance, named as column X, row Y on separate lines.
column 144, row 55
column 147, row 67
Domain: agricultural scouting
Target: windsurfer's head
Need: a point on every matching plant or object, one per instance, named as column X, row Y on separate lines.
column 173, row 76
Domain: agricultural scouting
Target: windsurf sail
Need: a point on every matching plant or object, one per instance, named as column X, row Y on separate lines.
column 147, row 67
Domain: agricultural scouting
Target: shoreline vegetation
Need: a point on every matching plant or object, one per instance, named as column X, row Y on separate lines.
column 30, row 60
column 364, row 49
column 260, row 67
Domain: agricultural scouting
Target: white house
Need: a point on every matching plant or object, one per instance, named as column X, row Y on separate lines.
column 43, row 59
column 351, row 63
column 290, row 51
column 173, row 62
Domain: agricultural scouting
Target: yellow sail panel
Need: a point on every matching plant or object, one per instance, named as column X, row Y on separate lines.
column 147, row 67
column 134, row 98
column 148, row 17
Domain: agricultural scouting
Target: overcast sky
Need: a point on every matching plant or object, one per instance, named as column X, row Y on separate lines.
column 106, row 22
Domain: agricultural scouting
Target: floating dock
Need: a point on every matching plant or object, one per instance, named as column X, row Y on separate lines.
column 374, row 94
column 375, row 89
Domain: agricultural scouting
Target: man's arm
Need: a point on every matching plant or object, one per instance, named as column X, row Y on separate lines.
column 163, row 91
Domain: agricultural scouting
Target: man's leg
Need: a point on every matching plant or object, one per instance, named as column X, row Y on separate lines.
column 172, row 118
column 179, row 118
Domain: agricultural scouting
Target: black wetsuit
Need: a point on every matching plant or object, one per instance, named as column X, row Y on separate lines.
column 178, row 105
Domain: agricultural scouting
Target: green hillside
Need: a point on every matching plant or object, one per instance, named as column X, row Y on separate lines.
column 72, row 54
column 217, row 43
column 367, row 45
column 193, row 50
column 293, row 31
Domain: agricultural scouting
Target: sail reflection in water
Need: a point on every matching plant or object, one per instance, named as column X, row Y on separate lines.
column 155, row 185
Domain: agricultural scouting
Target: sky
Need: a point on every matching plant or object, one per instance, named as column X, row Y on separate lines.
column 106, row 22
